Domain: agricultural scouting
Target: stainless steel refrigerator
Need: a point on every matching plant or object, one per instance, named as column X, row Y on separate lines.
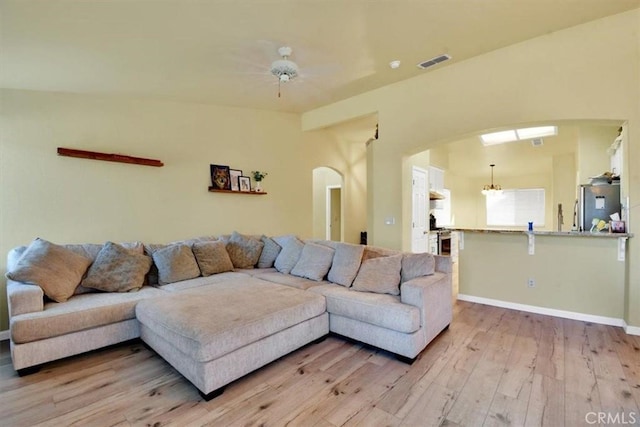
column 597, row 201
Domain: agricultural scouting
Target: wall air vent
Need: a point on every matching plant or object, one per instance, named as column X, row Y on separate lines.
column 537, row 142
column 434, row 61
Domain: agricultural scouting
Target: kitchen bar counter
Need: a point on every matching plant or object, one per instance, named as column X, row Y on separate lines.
column 544, row 233
column 576, row 275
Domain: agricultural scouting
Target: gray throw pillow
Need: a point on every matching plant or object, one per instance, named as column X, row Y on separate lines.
column 314, row 263
column 380, row 275
column 270, row 252
column 212, row 257
column 55, row 269
column 117, row 269
column 244, row 251
column 175, row 263
column 346, row 263
column 289, row 255
column 417, row 265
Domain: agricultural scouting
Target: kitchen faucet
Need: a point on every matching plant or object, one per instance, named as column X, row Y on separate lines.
column 560, row 217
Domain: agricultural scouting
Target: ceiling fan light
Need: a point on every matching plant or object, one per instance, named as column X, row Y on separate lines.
column 284, row 67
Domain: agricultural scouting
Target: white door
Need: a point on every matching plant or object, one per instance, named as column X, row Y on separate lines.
column 419, row 225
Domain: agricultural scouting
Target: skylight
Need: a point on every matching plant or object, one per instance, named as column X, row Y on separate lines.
column 512, row 135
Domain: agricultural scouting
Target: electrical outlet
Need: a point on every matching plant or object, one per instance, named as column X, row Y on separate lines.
column 531, row 282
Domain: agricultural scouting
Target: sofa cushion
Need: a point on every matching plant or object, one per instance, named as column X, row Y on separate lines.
column 175, row 263
column 290, row 253
column 288, row 280
column 55, row 269
column 377, row 309
column 207, row 323
column 201, row 281
column 117, row 269
column 380, row 275
column 314, row 262
column 346, row 263
column 79, row 313
column 417, row 265
column 270, row 252
column 212, row 257
column 244, row 251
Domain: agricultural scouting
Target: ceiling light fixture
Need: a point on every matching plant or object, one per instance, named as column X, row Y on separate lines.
column 284, row 69
column 394, row 64
column 490, row 190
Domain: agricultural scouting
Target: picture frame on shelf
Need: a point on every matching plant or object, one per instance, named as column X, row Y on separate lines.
column 234, row 175
column 245, row 184
column 220, row 177
column 617, row 226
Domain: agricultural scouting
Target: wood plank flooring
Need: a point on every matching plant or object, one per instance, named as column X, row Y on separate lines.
column 493, row 367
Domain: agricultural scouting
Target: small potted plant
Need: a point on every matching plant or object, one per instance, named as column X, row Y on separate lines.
column 258, row 177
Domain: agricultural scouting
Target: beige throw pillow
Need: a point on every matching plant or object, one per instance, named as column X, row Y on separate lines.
column 314, row 263
column 380, row 275
column 244, row 251
column 417, row 265
column 175, row 263
column 117, row 269
column 346, row 263
column 212, row 257
column 55, row 269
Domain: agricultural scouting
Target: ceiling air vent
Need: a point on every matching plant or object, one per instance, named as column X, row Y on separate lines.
column 434, row 61
column 537, row 142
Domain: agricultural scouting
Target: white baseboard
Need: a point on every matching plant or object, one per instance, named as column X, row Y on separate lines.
column 631, row 330
column 4, row 335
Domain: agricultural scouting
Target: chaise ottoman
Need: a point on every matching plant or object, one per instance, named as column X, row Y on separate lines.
column 217, row 333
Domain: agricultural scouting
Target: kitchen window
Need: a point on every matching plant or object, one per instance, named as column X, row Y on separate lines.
column 516, row 208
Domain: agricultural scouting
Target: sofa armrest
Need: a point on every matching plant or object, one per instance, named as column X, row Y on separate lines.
column 433, row 296
column 24, row 298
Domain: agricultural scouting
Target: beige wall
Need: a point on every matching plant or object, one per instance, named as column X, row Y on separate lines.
column 574, row 74
column 577, row 274
column 73, row 200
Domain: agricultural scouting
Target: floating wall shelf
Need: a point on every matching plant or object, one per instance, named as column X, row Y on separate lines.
column 253, row 193
column 120, row 158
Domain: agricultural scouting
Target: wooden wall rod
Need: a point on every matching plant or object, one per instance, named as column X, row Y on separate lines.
column 82, row 154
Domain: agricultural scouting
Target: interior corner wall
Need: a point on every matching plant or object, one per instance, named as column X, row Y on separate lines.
column 69, row 200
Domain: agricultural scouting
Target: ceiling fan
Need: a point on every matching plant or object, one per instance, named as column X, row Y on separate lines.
column 284, row 69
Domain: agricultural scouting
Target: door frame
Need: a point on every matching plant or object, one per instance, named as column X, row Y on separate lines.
column 327, row 233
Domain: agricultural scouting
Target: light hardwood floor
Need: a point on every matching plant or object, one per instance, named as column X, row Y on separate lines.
column 492, row 367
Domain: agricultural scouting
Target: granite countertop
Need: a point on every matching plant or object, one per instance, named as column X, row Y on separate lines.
column 543, row 233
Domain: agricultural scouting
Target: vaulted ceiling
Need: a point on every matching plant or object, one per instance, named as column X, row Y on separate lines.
column 219, row 51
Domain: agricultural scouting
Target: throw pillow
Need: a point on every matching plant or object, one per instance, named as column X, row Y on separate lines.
column 289, row 255
column 212, row 257
column 270, row 252
column 417, row 265
column 55, row 269
column 117, row 269
column 380, row 275
column 314, row 263
column 346, row 263
column 175, row 263
column 244, row 251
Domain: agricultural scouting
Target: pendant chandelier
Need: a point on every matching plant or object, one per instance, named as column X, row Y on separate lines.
column 491, row 189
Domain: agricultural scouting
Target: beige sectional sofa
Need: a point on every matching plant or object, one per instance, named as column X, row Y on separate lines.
column 219, row 308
